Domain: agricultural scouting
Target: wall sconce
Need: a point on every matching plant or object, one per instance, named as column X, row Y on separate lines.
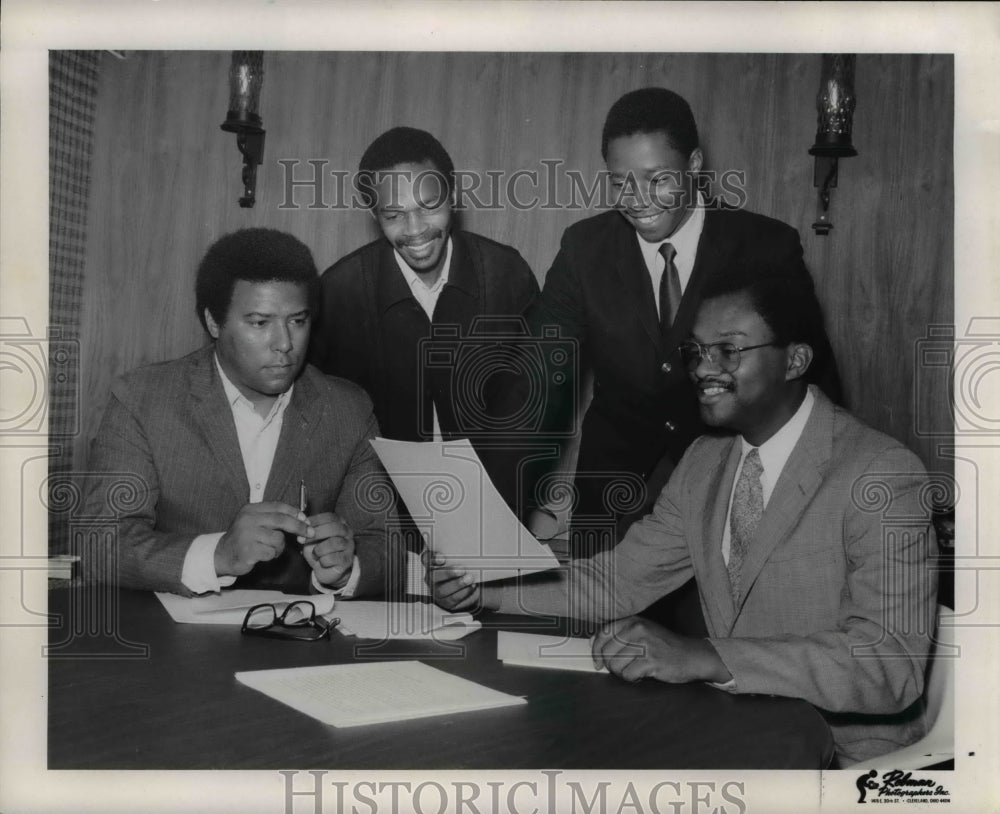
column 246, row 75
column 835, row 104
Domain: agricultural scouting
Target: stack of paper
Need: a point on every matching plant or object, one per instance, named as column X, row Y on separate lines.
column 551, row 652
column 403, row 620
column 450, row 497
column 230, row 607
column 375, row 692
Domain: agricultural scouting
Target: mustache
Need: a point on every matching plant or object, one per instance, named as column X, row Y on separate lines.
column 432, row 234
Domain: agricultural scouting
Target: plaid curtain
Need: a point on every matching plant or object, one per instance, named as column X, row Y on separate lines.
column 72, row 102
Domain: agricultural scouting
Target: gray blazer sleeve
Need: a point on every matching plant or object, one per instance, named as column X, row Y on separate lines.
column 123, row 488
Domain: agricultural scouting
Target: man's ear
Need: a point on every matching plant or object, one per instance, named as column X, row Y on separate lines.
column 800, row 356
column 695, row 160
column 212, row 325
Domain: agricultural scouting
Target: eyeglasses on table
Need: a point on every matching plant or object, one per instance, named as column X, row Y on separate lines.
column 297, row 621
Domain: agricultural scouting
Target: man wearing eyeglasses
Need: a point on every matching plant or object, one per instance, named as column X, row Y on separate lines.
column 805, row 530
column 248, row 466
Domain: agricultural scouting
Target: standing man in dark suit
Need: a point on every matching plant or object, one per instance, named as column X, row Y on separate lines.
column 418, row 316
column 227, row 441
column 626, row 285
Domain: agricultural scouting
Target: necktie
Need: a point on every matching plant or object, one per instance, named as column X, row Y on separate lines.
column 670, row 288
column 748, row 506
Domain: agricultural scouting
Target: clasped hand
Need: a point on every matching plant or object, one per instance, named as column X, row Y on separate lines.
column 258, row 535
column 633, row 648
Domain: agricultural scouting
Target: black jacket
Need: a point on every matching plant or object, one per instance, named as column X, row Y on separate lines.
column 372, row 331
column 598, row 292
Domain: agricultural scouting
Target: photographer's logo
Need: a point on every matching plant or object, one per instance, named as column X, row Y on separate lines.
column 898, row 786
column 865, row 783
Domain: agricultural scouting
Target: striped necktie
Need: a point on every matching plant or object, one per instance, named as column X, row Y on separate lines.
column 748, row 506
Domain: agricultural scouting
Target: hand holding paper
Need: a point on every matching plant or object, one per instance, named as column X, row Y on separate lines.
column 450, row 496
column 451, row 588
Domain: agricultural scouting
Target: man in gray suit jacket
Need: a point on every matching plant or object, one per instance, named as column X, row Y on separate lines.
column 228, row 441
column 806, row 530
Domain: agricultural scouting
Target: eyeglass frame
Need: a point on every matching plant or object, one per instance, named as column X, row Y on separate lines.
column 706, row 354
column 279, row 628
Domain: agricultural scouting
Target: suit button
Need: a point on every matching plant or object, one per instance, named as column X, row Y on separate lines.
column 669, row 426
column 666, row 367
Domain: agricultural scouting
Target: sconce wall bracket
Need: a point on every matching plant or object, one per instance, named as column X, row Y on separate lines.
column 246, row 75
column 835, row 105
column 250, row 143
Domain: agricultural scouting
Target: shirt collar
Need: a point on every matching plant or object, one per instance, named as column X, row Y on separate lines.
column 684, row 240
column 413, row 279
column 234, row 396
column 775, row 450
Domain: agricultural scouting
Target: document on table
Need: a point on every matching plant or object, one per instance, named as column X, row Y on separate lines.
column 452, row 499
column 550, row 652
column 374, row 692
column 403, row 620
column 229, row 607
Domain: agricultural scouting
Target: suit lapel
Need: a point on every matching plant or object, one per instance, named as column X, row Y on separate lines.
column 713, row 578
column 215, row 418
column 295, row 441
column 635, row 281
column 795, row 489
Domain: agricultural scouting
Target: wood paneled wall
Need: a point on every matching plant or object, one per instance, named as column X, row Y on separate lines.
column 166, row 180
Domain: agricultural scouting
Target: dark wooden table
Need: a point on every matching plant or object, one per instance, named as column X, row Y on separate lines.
column 178, row 706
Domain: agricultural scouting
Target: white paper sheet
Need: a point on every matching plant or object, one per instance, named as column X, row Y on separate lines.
column 549, row 652
column 403, row 620
column 415, row 584
column 451, row 498
column 229, row 607
column 376, row 692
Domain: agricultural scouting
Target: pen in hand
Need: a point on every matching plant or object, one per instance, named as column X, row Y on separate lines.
column 303, row 502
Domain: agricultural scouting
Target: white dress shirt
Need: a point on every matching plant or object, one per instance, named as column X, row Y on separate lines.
column 685, row 243
column 258, row 438
column 427, row 296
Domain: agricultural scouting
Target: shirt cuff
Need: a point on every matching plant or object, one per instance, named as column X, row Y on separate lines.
column 348, row 590
column 726, row 686
column 198, row 573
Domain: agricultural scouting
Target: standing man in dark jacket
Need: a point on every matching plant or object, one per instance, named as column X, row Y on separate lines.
column 419, row 316
column 626, row 285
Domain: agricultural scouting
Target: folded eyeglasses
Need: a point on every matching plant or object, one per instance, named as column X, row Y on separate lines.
column 297, row 621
